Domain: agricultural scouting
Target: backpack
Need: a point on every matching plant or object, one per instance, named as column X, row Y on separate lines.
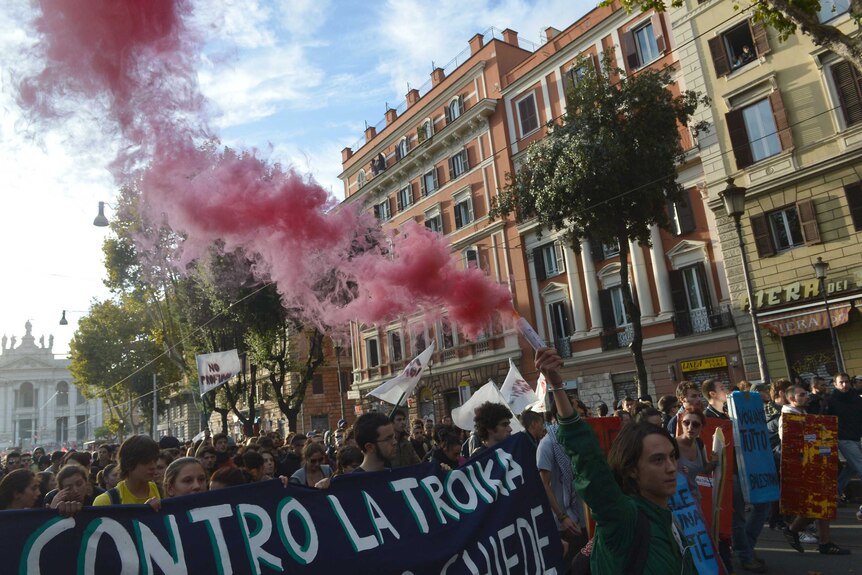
column 637, row 555
column 114, row 495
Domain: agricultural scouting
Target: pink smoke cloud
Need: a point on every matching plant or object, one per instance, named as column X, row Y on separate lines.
column 136, row 59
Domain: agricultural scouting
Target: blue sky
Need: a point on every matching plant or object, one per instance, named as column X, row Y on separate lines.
column 296, row 79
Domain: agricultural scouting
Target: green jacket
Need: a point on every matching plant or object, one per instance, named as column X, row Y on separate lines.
column 616, row 514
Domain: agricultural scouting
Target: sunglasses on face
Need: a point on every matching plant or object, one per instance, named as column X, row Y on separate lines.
column 691, row 423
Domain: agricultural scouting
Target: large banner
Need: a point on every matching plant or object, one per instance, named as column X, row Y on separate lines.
column 215, row 369
column 757, row 473
column 809, row 465
column 489, row 516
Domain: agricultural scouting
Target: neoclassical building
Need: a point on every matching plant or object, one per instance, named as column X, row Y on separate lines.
column 39, row 406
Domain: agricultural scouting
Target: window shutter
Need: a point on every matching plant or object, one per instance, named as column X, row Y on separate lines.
column 808, row 220
column 377, row 211
column 685, row 214
column 761, row 41
column 658, row 32
column 762, row 236
column 460, row 105
column 470, row 208
column 466, row 160
column 539, row 264
column 700, row 271
column 397, row 151
column 631, row 51
column 451, row 168
column 400, row 205
column 853, row 193
column 847, row 84
column 719, row 56
column 785, row 136
column 391, row 203
column 422, row 189
column 448, row 114
column 434, row 177
column 561, row 260
column 739, row 139
column 596, row 250
column 607, row 309
column 677, row 291
column 568, row 318
column 459, row 221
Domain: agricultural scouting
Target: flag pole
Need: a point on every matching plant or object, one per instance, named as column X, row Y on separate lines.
column 397, row 405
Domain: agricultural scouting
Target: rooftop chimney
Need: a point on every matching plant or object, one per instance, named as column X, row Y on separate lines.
column 551, row 33
column 437, row 76
column 510, row 37
column 346, row 154
column 412, row 97
column 476, row 43
column 370, row 132
column 391, row 115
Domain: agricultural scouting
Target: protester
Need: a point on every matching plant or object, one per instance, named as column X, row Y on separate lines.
column 207, row 456
column 268, row 463
column 447, row 454
column 137, row 458
column 624, row 416
column 102, row 461
column 347, row 460
column 421, row 443
column 47, row 483
column 376, row 438
column 647, row 413
column 44, row 463
column 846, row 404
column 688, row 394
column 74, row 490
column 534, row 425
column 108, row 477
column 313, row 469
column 405, row 454
column 292, row 459
column 715, row 392
column 56, row 461
column 634, row 482
column 162, row 461
column 38, row 454
column 692, row 452
column 668, row 405
column 12, row 463
column 818, row 396
column 184, row 476
column 252, row 464
column 19, row 489
column 492, row 421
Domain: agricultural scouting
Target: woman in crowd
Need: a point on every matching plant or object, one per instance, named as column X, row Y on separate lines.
column 252, row 464
column 73, row 490
column 227, row 477
column 347, row 459
column 313, row 469
column 109, row 476
column 184, row 476
column 137, row 456
column 268, row 464
column 19, row 489
column 692, row 453
column 47, row 482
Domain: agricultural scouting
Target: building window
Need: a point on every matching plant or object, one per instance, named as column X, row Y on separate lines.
column 695, row 288
column 402, row 148
column 320, row 422
column 644, row 43
column 434, row 221
column 560, row 322
column 463, row 209
column 738, row 47
column 382, row 211
column 26, row 395
column 62, row 394
column 360, row 178
column 464, row 392
column 317, row 384
column 847, row 83
column 691, row 300
column 853, row 193
column 681, row 215
column 579, row 69
column 528, row 116
column 454, row 110
column 405, row 197
column 81, row 428
column 785, row 228
column 548, row 260
column 419, row 344
column 830, row 9
column 458, row 164
column 372, row 352
column 447, row 334
column 425, row 131
column 395, row 350
column 610, row 250
column 759, row 130
column 621, row 318
column 471, row 258
column 428, row 182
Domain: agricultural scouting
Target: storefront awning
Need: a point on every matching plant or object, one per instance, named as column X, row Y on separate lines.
column 805, row 321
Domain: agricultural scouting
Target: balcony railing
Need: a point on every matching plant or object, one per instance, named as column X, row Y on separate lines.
column 702, row 321
column 564, row 347
column 618, row 337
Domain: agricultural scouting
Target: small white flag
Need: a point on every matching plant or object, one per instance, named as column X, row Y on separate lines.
column 463, row 416
column 516, row 391
column 215, row 369
column 403, row 384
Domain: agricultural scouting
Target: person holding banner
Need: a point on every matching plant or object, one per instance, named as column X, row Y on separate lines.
column 185, row 476
column 19, row 490
column 137, row 455
column 634, row 482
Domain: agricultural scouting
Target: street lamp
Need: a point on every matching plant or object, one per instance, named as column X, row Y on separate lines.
column 101, row 221
column 733, row 198
column 63, row 320
column 338, row 374
column 820, row 268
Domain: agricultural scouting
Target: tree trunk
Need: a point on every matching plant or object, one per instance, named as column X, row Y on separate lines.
column 634, row 315
column 291, row 404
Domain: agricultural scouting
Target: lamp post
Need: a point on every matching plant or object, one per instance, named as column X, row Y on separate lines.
column 101, row 221
column 820, row 268
column 733, row 198
column 340, row 388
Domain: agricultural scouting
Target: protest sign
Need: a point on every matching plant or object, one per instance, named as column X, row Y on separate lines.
column 809, row 465
column 490, row 515
column 606, row 430
column 215, row 369
column 693, row 529
column 757, row 474
column 716, row 491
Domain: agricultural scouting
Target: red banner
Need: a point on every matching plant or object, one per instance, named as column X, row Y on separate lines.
column 809, row 465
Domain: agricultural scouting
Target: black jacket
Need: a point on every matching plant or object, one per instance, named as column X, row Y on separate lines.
column 848, row 407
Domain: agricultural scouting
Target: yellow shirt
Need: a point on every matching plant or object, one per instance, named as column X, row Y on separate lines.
column 126, row 496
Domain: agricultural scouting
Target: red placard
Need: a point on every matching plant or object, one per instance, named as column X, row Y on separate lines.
column 606, row 430
column 809, row 465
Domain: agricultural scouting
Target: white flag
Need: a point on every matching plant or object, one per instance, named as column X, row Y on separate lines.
column 402, row 385
column 463, row 416
column 215, row 369
column 516, row 391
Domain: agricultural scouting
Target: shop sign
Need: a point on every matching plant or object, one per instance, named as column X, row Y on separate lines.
column 704, row 363
column 795, row 323
column 800, row 291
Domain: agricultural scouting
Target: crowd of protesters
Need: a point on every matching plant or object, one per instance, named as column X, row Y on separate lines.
column 627, row 492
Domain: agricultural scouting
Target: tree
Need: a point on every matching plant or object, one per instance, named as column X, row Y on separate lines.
column 608, row 171
column 786, row 17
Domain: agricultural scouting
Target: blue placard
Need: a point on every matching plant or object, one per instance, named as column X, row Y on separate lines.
column 692, row 528
column 757, row 474
column 491, row 515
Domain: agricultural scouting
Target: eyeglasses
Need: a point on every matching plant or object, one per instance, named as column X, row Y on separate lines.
column 691, row 423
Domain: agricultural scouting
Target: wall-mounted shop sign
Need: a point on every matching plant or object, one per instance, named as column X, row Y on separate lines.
column 703, row 363
column 794, row 323
column 800, row 291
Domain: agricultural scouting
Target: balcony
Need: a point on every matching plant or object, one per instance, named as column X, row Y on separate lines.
column 701, row 321
column 617, row 338
column 564, row 347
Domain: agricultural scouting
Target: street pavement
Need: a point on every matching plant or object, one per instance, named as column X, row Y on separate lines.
column 782, row 559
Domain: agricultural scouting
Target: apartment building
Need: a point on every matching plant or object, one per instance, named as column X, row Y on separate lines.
column 439, row 159
column 678, row 279
column 788, row 127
